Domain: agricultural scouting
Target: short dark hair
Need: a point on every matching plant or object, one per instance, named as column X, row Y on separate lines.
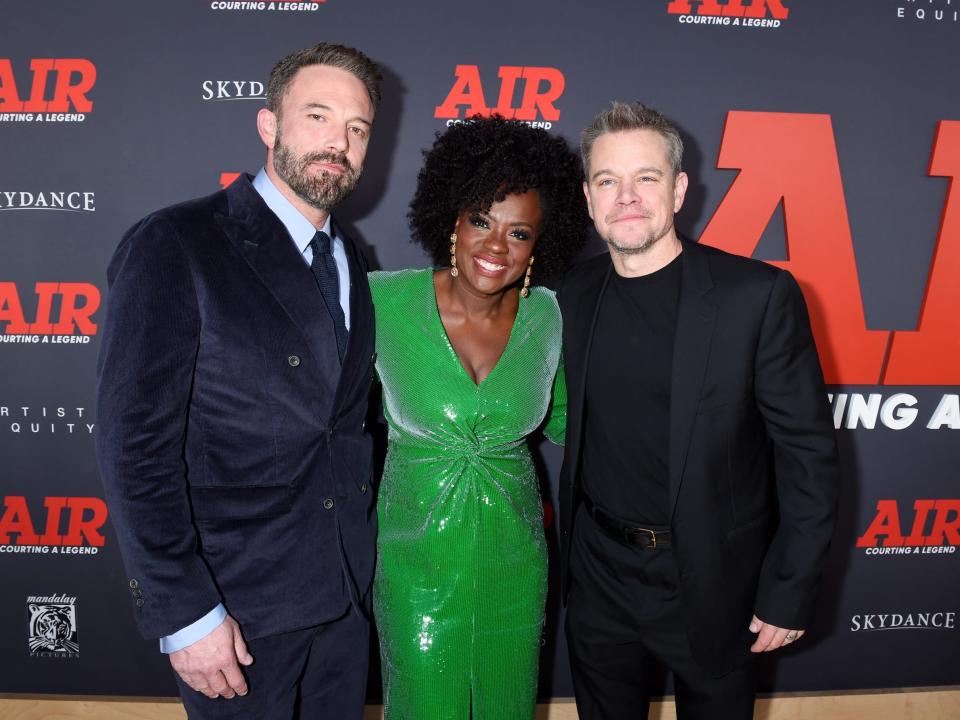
column 620, row 117
column 482, row 160
column 339, row 56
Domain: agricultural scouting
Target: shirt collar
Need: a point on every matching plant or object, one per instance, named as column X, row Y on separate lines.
column 300, row 229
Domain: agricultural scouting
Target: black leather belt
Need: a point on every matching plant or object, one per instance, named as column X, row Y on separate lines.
column 644, row 537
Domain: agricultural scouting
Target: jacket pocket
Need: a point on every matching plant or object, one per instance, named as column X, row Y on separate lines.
column 718, row 402
column 756, row 524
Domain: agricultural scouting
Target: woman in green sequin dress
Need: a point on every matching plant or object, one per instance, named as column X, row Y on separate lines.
column 469, row 359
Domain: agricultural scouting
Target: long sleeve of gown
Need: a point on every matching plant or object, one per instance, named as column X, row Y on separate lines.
column 556, row 424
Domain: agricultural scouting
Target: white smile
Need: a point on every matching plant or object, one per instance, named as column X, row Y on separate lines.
column 489, row 266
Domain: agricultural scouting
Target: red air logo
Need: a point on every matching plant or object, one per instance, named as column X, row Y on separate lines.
column 228, row 178
column 65, row 525
column 791, row 159
column 730, row 8
column 934, row 527
column 57, row 91
column 64, row 313
column 538, row 89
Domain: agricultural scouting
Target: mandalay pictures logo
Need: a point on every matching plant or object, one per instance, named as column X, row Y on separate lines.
column 730, row 13
column 58, row 89
column 52, row 626
column 522, row 93
column 54, row 200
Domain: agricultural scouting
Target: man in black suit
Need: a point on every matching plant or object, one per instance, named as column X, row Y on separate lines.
column 700, row 477
column 233, row 386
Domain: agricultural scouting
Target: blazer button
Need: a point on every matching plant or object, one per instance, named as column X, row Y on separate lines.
column 328, row 504
column 294, row 360
column 139, row 602
column 363, row 488
column 134, row 584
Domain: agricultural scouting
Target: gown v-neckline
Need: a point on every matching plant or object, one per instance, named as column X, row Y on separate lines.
column 453, row 351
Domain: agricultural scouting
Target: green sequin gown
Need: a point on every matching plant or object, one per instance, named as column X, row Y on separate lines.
column 462, row 560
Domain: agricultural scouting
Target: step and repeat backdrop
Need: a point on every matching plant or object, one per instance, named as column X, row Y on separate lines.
column 821, row 136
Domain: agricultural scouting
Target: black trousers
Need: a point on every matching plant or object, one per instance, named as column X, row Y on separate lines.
column 319, row 672
column 624, row 619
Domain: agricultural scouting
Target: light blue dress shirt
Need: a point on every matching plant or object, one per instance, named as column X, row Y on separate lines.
column 301, row 233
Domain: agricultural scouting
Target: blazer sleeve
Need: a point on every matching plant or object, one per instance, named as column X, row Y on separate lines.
column 145, row 372
column 791, row 396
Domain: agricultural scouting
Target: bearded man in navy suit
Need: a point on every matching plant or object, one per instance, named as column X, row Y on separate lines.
column 233, row 387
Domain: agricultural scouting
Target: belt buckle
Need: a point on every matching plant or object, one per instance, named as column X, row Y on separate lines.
column 652, row 533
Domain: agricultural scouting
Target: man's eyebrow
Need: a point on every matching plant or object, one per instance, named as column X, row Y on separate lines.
column 322, row 106
column 651, row 170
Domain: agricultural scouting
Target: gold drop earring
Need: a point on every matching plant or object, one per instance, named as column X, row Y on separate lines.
column 525, row 290
column 453, row 254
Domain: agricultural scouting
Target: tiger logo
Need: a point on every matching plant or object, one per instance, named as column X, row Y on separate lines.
column 53, row 628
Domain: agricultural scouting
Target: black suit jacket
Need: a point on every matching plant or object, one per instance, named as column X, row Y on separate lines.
column 226, row 426
column 753, row 469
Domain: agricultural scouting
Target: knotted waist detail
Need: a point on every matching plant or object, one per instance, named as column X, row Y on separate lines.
column 459, row 448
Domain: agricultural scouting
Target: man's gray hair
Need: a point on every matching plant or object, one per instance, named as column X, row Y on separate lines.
column 621, row 116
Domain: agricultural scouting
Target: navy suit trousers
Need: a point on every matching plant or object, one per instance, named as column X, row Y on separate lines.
column 311, row 674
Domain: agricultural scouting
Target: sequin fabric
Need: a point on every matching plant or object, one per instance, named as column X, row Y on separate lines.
column 462, row 561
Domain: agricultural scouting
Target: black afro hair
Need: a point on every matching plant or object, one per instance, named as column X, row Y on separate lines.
column 482, row 160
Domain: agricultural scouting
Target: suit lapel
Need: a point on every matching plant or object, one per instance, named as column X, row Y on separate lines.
column 264, row 243
column 696, row 317
column 358, row 355
column 583, row 331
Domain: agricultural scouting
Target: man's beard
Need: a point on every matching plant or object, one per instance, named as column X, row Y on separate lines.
column 648, row 242
column 322, row 191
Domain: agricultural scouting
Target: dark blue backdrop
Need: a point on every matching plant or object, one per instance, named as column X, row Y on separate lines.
column 146, row 104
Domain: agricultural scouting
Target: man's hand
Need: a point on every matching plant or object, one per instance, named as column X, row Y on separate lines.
column 210, row 664
column 771, row 637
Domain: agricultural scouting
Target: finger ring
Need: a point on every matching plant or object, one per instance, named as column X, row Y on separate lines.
column 791, row 637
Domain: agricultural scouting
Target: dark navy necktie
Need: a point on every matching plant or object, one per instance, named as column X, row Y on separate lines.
column 324, row 269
